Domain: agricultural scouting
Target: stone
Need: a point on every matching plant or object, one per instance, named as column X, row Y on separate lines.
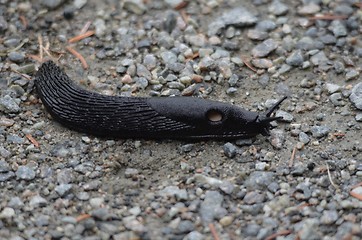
column 356, row 96
column 52, row 4
column 238, row 17
column 266, row 25
column 320, row 131
column 211, row 208
column 7, row 212
column 338, row 28
column 286, row 117
column 303, row 137
column 168, row 57
column 150, row 61
column 16, row 57
column 63, row 189
column 329, row 217
column 332, row 88
column 25, row 173
column 256, row 34
column 229, row 150
column 351, row 74
column 310, row 8
column 319, row 58
column 295, row 59
column 259, row 180
column 278, row 8
column 262, row 63
column 265, row 48
column 174, row 191
column 142, row 71
column 134, row 6
column 38, row 201
column 4, row 166
column 9, row 105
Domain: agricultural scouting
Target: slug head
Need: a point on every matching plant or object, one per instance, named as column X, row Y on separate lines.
column 265, row 118
column 209, row 119
column 247, row 124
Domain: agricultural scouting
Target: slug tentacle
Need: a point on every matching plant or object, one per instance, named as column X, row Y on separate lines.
column 136, row 117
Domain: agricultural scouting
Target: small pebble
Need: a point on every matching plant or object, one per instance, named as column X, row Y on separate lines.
column 356, row 96
column 134, row 6
column 320, row 131
column 278, row 8
column 265, row 48
column 211, row 207
column 295, row 59
column 25, row 173
column 52, row 4
column 9, row 105
column 229, row 150
column 16, row 57
column 351, row 74
column 63, row 189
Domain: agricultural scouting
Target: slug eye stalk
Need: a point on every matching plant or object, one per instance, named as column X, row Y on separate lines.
column 149, row 118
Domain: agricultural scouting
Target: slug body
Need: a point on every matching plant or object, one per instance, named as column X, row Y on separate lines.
column 148, row 118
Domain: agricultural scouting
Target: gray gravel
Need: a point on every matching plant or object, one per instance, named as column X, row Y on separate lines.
column 302, row 181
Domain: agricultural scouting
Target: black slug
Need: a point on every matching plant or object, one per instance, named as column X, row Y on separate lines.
column 137, row 117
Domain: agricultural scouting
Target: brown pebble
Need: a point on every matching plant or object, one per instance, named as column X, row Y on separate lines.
column 197, row 78
column 6, row 122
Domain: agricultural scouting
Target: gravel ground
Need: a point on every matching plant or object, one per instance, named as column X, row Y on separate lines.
column 302, row 182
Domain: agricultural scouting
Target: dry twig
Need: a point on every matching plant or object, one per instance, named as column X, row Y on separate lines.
column 181, row 5
column 32, row 140
column 213, row 231
column 26, row 76
column 355, row 194
column 184, row 15
column 328, row 17
column 82, row 217
column 81, row 36
column 85, row 28
column 281, row 233
column 291, row 161
column 248, row 64
column 330, row 177
column 40, row 41
column 23, row 21
column 78, row 55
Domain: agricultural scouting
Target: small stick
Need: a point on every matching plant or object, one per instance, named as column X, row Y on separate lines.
column 281, row 233
column 213, row 231
column 21, row 74
column 32, row 140
column 330, row 177
column 184, row 15
column 40, row 40
column 339, row 134
column 81, row 36
column 85, row 28
column 23, row 21
column 181, row 5
column 247, row 63
column 328, row 17
column 355, row 195
column 46, row 50
column 291, row 161
column 358, row 5
column 35, row 57
column 82, row 217
column 4, row 53
column 357, row 185
column 78, row 55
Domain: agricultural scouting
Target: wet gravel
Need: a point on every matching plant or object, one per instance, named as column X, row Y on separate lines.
column 301, row 182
